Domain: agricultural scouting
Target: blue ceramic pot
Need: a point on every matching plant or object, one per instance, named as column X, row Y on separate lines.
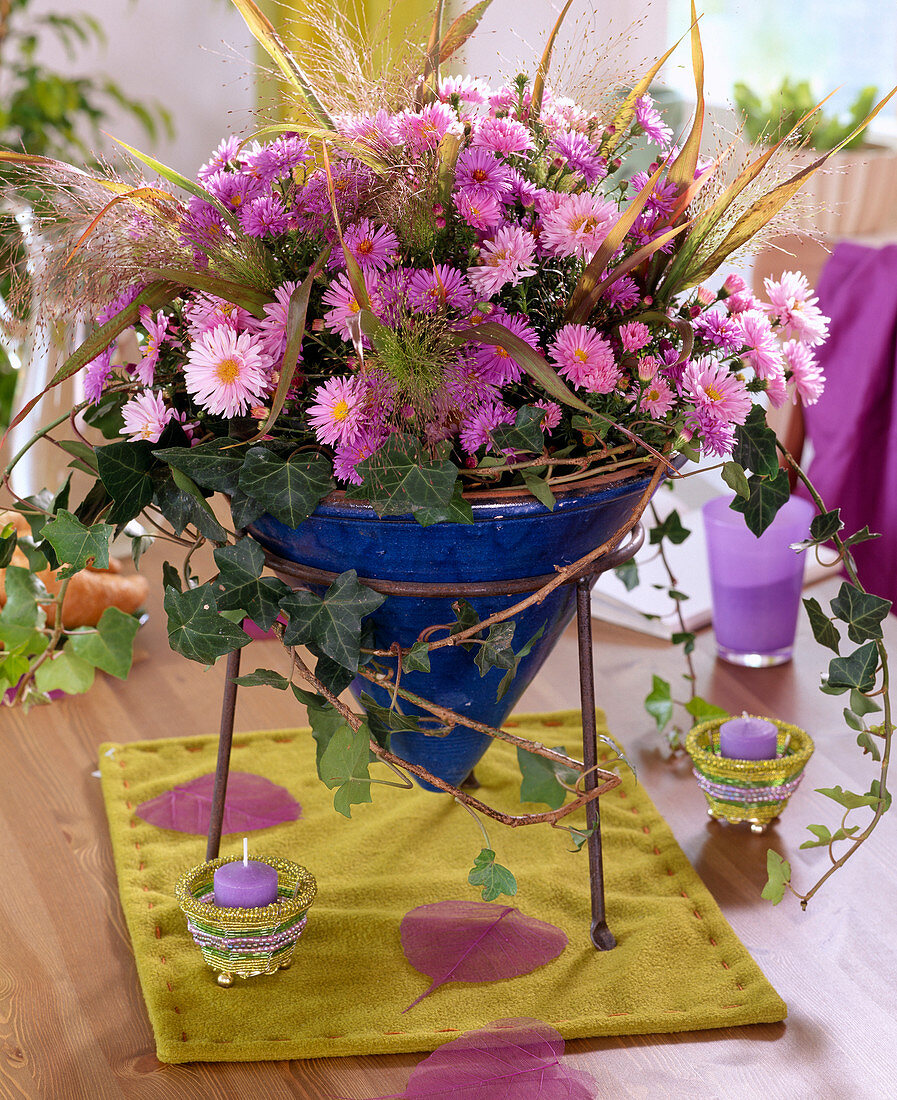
column 512, row 536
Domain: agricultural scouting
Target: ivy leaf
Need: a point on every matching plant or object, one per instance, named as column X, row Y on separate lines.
column 290, row 490
column 659, row 702
column 111, row 646
column 540, row 489
column 344, row 765
column 496, row 651
column 334, row 676
column 822, row 834
column 181, row 507
column 64, row 672
column 508, row 677
column 628, row 574
column 494, row 879
column 401, row 478
column 214, row 464
column 542, row 778
column 126, row 471
column 875, row 792
column 867, row 743
column 857, row 670
column 417, row 659
column 171, row 578
column 778, row 871
column 734, row 476
column 383, row 720
column 324, row 719
column 525, row 434
column 22, row 617
column 671, row 529
column 76, row 545
column 825, row 525
column 848, row 799
column 824, row 630
column 685, row 638
column 240, row 583
column 865, row 535
column 862, row 704
column 862, row 612
column 466, row 618
column 702, row 711
column 195, row 627
column 458, row 510
column 8, row 539
column 263, row 677
column 853, row 720
column 755, row 445
column 331, row 625
column 767, row 495
column 244, row 510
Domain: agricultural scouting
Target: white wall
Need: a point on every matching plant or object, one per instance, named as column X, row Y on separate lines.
column 194, row 56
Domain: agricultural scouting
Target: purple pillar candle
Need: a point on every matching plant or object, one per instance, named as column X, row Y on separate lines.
column 748, row 738
column 245, row 884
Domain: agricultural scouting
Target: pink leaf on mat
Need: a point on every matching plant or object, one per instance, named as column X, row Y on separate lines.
column 473, row 941
column 252, row 802
column 512, row 1060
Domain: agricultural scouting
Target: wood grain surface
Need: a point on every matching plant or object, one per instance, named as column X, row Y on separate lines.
column 72, row 1019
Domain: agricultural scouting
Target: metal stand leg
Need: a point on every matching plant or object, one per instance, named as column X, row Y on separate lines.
column 228, row 709
column 601, row 935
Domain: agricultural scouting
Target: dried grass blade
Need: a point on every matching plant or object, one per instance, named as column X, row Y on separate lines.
column 130, row 195
column 461, row 29
column 542, row 72
column 353, row 269
column 622, row 120
column 268, row 38
column 497, row 335
column 633, row 261
column 682, row 171
column 247, row 297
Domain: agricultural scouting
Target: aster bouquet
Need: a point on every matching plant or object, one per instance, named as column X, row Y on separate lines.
column 451, row 287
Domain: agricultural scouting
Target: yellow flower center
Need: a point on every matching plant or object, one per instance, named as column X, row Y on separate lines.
column 713, row 393
column 365, row 247
column 354, row 307
column 235, row 200
column 480, row 175
column 227, row 371
column 580, row 355
column 587, row 225
column 340, row 410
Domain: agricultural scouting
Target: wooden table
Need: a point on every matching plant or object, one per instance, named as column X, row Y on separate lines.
column 72, row 1017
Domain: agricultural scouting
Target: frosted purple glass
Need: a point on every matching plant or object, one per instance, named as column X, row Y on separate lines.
column 755, row 583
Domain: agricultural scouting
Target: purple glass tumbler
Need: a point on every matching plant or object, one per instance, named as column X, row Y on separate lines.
column 755, row 583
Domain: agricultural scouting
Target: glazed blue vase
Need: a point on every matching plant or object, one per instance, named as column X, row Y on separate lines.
column 512, row 536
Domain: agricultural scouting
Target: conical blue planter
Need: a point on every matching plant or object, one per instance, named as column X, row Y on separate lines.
column 512, row 536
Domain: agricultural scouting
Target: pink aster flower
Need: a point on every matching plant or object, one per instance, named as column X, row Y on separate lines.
column 442, row 287
column 757, row 337
column 347, row 455
column 155, row 334
column 278, row 158
column 717, row 437
column 373, row 246
column 337, row 412
column 719, row 330
column 476, row 429
column 804, row 374
column 502, row 135
column 717, row 394
column 480, row 213
column 272, row 331
column 468, row 89
column 578, row 225
column 226, row 372
column 225, row 154
column 792, row 304
column 648, row 366
column 265, row 216
column 206, row 312
column 623, row 293
column 579, row 155
column 96, row 376
column 506, row 259
column 343, row 306
column 777, row 389
column 423, row 130
column 481, row 175
column 145, row 417
column 634, row 336
column 653, row 126
column 234, row 189
column 658, row 398
column 552, row 416
column 586, row 358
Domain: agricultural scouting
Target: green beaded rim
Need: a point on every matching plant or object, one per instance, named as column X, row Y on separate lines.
column 750, row 773
column 296, row 890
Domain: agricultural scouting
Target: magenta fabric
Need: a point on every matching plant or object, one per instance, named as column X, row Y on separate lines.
column 853, row 426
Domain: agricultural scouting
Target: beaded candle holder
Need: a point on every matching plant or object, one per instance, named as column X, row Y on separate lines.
column 755, row 791
column 246, row 942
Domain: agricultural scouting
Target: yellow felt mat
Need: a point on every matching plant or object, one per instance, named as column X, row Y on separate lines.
column 678, row 965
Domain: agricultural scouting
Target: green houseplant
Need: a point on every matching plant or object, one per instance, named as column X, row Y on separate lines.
column 403, row 307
